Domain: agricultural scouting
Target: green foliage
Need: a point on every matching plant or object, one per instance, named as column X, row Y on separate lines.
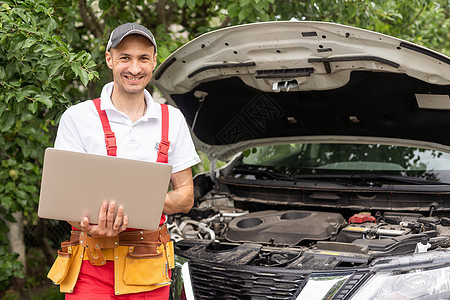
column 9, row 267
column 204, row 165
column 52, row 293
column 37, row 71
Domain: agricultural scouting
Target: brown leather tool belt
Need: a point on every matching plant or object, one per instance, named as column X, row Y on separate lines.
column 144, row 242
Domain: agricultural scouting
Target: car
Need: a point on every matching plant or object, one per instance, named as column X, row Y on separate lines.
column 335, row 174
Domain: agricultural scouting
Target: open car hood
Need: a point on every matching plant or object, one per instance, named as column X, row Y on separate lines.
column 272, row 82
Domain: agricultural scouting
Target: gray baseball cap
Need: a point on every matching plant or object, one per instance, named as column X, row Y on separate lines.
column 124, row 30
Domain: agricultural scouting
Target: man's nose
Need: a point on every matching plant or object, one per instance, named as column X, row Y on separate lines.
column 134, row 67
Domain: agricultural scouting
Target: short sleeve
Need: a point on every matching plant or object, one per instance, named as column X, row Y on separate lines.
column 183, row 154
column 68, row 137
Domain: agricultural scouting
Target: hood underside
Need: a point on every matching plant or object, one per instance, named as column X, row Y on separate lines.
column 307, row 81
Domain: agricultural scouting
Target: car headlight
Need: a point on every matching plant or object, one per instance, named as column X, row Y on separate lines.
column 413, row 284
column 412, row 277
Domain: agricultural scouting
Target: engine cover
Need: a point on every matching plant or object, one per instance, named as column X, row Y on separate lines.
column 284, row 227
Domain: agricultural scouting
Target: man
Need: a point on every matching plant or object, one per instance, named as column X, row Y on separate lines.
column 137, row 124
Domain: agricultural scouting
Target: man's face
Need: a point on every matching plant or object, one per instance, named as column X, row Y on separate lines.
column 132, row 63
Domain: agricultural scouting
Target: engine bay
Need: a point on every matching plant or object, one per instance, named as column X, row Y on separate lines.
column 217, row 231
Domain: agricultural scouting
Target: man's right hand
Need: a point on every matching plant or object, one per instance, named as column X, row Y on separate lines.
column 108, row 225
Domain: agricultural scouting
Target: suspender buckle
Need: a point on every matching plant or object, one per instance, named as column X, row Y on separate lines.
column 164, row 147
column 110, row 140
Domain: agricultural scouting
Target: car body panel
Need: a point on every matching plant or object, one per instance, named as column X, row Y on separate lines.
column 337, row 183
column 267, row 82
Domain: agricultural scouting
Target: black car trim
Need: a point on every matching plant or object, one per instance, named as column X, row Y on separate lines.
column 426, row 52
column 320, row 184
column 327, row 60
column 296, row 195
column 221, row 66
column 309, row 34
column 278, row 73
column 165, row 67
column 352, row 285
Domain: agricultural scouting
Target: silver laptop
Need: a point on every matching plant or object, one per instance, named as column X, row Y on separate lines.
column 75, row 184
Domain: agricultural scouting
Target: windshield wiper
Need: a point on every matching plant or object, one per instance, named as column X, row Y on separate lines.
column 374, row 177
column 266, row 173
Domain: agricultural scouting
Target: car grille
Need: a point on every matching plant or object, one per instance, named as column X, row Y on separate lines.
column 214, row 281
column 211, row 281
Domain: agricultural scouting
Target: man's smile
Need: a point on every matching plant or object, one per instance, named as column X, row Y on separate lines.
column 133, row 78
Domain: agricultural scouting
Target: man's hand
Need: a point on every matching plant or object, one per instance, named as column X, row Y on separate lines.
column 107, row 224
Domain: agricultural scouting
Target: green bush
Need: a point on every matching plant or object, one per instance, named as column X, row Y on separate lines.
column 37, row 72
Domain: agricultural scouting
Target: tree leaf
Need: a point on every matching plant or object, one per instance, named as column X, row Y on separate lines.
column 233, row 10
column 51, row 24
column 20, row 194
column 243, row 14
column 76, row 68
column 7, row 202
column 30, row 89
column 30, row 189
column 3, row 107
column 243, row 3
column 21, row 13
column 33, row 106
column 104, row 4
column 84, row 76
column 191, row 4
column 54, row 66
column 9, row 186
column 2, row 73
column 20, row 96
column 8, row 122
column 28, row 43
column 45, row 99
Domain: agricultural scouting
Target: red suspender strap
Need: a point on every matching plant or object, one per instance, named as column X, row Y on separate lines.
column 110, row 138
column 164, row 144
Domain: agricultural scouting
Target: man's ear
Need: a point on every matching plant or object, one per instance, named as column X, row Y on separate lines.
column 155, row 62
column 108, row 58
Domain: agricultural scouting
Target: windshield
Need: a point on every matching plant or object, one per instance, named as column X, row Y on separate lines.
column 292, row 161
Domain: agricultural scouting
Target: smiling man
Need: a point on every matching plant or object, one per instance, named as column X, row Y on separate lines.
column 125, row 122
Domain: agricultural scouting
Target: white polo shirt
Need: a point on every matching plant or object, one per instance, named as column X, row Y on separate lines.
column 80, row 129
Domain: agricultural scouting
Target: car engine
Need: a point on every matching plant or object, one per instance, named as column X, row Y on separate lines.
column 217, row 231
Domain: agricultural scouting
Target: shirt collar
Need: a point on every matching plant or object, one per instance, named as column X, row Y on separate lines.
column 106, row 103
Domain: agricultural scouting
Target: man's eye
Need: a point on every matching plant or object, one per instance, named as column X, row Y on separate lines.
column 124, row 58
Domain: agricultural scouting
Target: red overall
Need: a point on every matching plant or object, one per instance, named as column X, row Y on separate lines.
column 97, row 283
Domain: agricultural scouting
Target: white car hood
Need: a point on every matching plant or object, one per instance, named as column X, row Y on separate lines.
column 265, row 83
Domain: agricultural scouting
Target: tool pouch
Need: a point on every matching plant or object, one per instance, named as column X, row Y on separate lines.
column 170, row 254
column 63, row 262
column 146, row 264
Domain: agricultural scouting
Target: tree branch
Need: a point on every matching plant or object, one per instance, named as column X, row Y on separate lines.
column 161, row 12
column 416, row 17
column 89, row 19
column 146, row 15
column 225, row 22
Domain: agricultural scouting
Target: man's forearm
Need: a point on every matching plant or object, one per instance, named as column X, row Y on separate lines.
column 180, row 200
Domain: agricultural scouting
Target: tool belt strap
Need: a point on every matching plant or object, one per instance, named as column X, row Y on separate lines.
column 145, row 242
